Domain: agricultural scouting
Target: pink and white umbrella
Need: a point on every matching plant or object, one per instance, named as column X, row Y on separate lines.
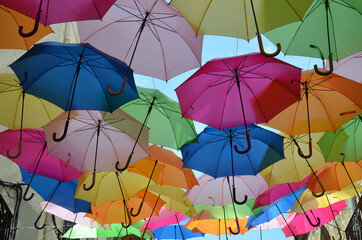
column 165, row 217
column 349, row 67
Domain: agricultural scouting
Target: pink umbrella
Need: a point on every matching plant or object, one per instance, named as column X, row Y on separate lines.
column 58, row 11
column 240, row 90
column 299, row 225
column 35, row 158
column 349, row 67
column 165, row 217
column 275, row 192
column 168, row 45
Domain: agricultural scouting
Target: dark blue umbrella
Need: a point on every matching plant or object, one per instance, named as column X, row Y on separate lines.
column 74, row 77
column 176, row 231
column 54, row 191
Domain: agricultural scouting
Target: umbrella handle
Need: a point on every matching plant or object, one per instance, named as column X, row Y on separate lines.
column 249, row 145
column 323, row 189
column 55, row 139
column 339, row 233
column 35, row 28
column 125, row 167
column 36, row 223
column 26, row 192
column 237, row 224
column 138, row 212
column 120, row 91
column 313, row 224
column 237, row 202
column 143, row 235
column 310, row 151
column 130, row 221
column 261, row 48
column 330, row 62
column 19, row 150
column 92, row 184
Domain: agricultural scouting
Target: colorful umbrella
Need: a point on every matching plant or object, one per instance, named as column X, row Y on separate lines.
column 150, row 27
column 349, row 67
column 10, row 21
column 51, row 12
column 165, row 217
column 72, row 76
column 175, row 232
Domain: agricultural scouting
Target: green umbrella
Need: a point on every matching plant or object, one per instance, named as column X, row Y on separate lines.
column 164, row 118
column 345, row 144
column 329, row 27
column 80, row 231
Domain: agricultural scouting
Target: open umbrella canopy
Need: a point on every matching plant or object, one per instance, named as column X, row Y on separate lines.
column 348, row 67
column 216, row 226
column 175, row 232
column 165, row 217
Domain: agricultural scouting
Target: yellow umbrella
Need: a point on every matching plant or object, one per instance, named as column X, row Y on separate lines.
column 217, row 226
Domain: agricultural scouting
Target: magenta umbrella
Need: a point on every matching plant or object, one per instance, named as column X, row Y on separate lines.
column 35, row 159
column 240, row 90
column 166, row 43
column 165, row 217
column 58, row 11
column 299, row 224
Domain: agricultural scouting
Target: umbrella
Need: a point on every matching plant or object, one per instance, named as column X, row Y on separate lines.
column 92, row 135
column 343, row 145
column 9, row 24
column 348, row 67
column 164, row 118
column 175, row 232
column 72, row 76
column 166, row 43
column 214, row 226
column 240, row 19
column 36, row 114
column 249, row 87
column 51, row 12
column 165, row 217
column 35, row 158
column 329, row 26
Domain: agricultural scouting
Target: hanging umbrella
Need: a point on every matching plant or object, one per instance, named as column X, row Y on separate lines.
column 72, row 76
column 322, row 31
column 92, row 135
column 35, row 158
column 175, row 232
column 51, row 12
column 343, row 145
column 240, row 19
column 22, row 110
column 148, row 27
column 165, row 217
column 10, row 21
column 348, row 67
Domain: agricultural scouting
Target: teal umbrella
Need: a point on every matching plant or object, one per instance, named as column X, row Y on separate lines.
column 345, row 144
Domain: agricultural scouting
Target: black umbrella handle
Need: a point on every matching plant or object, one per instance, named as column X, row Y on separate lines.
column 35, row 28
column 238, row 228
column 237, row 202
column 313, row 224
column 55, row 139
column 36, row 223
column 92, row 184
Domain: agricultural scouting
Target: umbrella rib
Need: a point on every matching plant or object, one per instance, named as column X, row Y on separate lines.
column 295, row 12
column 45, row 109
column 333, row 34
column 130, row 13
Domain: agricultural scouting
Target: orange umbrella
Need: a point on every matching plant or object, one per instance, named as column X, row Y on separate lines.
column 10, row 21
column 217, row 226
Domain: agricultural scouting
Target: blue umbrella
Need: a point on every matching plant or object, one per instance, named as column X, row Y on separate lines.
column 74, row 77
column 175, row 232
column 60, row 193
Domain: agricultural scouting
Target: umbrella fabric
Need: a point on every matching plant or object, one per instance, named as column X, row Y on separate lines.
column 165, row 217
column 167, row 126
column 34, row 159
column 235, row 18
column 212, row 153
column 64, row 194
column 294, row 168
column 117, row 134
column 65, row 214
column 349, row 67
column 299, row 224
column 334, row 176
column 73, row 76
column 10, row 21
column 175, row 232
column 61, row 11
column 37, row 111
column 167, row 46
column 296, row 38
column 276, row 222
column 275, row 192
column 333, row 101
column 217, row 226
column 222, row 89
column 344, row 144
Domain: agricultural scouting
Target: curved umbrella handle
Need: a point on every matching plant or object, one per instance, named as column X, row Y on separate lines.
column 313, row 224
column 26, row 192
column 143, row 235
column 138, row 212
column 120, row 91
column 92, row 184
column 237, row 224
column 125, row 167
column 36, row 223
column 330, row 62
column 237, row 202
column 323, row 189
column 247, row 149
column 261, row 48
column 310, row 151
column 339, row 233
column 35, row 28
column 55, row 139
column 124, row 225
column 19, row 150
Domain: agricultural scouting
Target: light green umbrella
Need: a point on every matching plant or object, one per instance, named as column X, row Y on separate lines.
column 345, row 144
column 164, row 118
column 329, row 27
